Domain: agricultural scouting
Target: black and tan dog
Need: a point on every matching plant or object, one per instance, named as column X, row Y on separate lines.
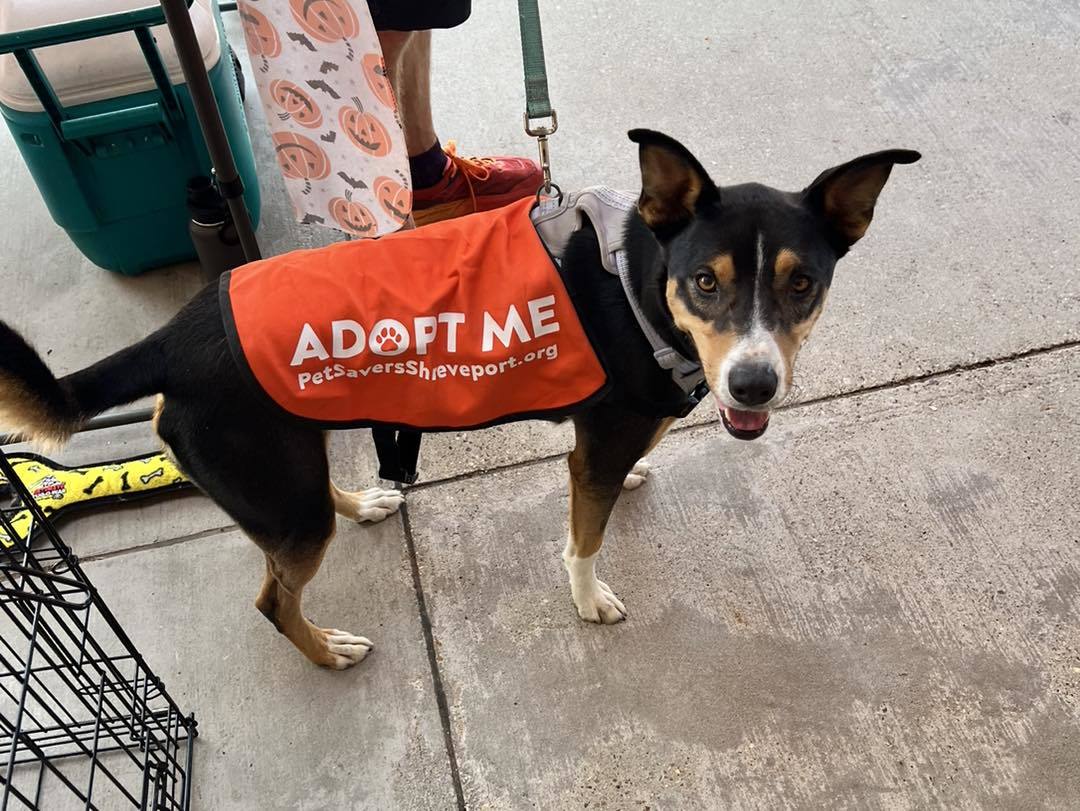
column 734, row 277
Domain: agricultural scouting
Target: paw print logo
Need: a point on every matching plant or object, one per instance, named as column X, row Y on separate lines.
column 389, row 337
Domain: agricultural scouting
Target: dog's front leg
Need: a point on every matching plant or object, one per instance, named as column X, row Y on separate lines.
column 608, row 441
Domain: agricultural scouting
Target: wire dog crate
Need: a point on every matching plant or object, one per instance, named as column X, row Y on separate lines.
column 84, row 722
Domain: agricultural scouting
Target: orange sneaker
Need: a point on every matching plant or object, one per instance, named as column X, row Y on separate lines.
column 475, row 184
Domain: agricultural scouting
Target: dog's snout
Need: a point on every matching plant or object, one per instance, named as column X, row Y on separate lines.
column 753, row 384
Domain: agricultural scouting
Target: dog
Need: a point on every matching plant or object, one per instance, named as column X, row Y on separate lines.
column 734, row 277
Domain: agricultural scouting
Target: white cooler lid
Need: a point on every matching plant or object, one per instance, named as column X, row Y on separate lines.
column 99, row 68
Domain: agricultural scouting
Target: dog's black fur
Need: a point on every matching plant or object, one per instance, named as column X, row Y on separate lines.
column 270, row 471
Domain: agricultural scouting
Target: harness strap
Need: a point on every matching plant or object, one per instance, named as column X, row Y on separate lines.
column 687, row 374
column 557, row 220
column 607, row 209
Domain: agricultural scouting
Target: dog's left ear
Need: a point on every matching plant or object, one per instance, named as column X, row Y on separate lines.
column 845, row 195
column 673, row 183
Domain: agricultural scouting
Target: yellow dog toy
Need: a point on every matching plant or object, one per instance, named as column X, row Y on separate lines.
column 59, row 489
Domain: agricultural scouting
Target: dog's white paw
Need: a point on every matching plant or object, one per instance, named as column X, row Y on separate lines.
column 636, row 477
column 375, row 504
column 599, row 604
column 346, row 650
column 595, row 600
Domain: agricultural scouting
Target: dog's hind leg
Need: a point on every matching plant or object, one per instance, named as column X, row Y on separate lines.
column 266, row 602
column 373, row 504
column 288, row 570
column 272, row 476
column 607, row 442
column 640, row 471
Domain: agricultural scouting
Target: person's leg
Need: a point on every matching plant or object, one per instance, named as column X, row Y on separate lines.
column 408, row 62
column 444, row 184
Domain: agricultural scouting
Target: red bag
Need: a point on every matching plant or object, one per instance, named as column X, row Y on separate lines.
column 459, row 324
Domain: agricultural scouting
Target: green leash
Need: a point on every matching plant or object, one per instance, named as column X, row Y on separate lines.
column 537, row 104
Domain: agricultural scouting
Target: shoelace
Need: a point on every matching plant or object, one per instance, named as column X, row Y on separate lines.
column 478, row 168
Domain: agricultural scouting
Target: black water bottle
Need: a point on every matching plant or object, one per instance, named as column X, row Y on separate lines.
column 212, row 230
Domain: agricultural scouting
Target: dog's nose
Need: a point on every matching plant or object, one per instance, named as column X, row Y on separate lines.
column 752, row 383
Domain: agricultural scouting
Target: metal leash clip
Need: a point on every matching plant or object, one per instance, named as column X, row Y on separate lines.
column 541, row 133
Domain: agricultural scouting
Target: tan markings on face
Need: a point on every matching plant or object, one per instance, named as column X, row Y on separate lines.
column 786, row 262
column 723, row 268
column 712, row 345
column 791, row 340
column 670, row 188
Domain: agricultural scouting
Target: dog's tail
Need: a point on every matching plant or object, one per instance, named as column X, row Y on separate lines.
column 36, row 406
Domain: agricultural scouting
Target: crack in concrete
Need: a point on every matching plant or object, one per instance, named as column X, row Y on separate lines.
column 165, row 542
column 433, row 661
column 900, row 383
column 952, row 371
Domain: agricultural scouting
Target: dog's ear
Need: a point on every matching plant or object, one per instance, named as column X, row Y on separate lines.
column 673, row 184
column 845, row 195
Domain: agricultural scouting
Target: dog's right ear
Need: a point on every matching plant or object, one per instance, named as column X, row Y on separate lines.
column 673, row 184
column 845, row 195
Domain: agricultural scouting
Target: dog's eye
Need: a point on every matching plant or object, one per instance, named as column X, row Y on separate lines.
column 801, row 285
column 705, row 282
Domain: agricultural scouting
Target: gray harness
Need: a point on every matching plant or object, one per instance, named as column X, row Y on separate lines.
column 607, row 209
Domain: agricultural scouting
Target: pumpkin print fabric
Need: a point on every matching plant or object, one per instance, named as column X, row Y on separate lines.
column 331, row 112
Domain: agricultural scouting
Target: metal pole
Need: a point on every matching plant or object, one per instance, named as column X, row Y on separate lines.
column 131, row 417
column 206, row 110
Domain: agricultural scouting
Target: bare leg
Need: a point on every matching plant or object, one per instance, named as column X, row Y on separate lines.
column 444, row 183
column 408, row 61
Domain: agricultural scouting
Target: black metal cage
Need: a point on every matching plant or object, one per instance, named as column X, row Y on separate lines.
column 84, row 722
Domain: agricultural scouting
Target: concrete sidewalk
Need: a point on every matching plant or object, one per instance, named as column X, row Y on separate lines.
column 876, row 604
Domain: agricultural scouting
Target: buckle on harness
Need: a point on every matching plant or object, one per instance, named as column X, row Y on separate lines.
column 694, row 397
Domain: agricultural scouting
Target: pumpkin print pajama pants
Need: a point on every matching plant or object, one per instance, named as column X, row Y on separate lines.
column 330, row 107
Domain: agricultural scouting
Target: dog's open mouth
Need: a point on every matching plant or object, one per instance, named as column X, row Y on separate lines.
column 744, row 424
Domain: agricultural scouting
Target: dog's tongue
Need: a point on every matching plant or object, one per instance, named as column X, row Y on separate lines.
column 746, row 420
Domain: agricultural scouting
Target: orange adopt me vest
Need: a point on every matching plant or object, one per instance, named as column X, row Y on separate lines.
column 460, row 324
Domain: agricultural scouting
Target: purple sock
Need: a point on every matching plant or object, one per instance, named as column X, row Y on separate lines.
column 427, row 168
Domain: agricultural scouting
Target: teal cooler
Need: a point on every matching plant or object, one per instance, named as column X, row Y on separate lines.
column 93, row 93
